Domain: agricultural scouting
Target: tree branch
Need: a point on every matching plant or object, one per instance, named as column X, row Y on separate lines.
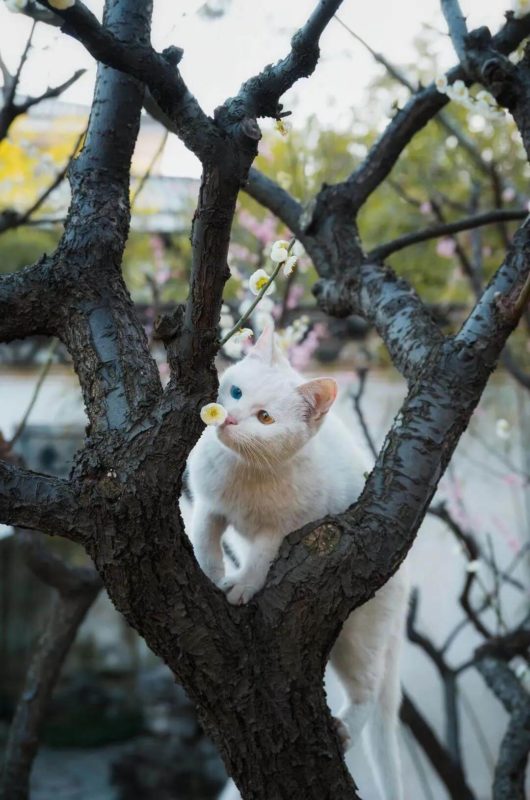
column 450, row 774
column 259, row 96
column 157, row 70
column 509, row 780
column 468, row 223
column 27, row 302
column 376, row 293
column 40, row 502
column 271, row 195
column 456, row 23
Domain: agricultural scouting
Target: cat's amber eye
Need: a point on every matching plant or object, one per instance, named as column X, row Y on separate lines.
column 265, row 417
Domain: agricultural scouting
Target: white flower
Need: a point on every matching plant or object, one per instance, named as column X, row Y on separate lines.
column 213, row 414
column 258, row 280
column 473, row 566
column 61, row 5
column 16, row 5
column 502, row 429
column 279, row 251
column 458, row 91
column 289, row 265
column 298, row 249
column 441, row 84
column 242, row 334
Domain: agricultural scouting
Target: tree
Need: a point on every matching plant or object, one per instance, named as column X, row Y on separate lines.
column 269, row 719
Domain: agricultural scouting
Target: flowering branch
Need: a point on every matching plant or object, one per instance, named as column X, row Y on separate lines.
column 261, row 293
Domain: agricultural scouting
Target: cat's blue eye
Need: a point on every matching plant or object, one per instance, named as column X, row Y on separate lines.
column 236, row 392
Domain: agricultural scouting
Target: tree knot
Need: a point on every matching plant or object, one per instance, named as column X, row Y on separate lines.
column 322, row 540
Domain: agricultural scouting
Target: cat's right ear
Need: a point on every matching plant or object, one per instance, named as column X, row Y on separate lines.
column 267, row 349
column 264, row 347
column 319, row 395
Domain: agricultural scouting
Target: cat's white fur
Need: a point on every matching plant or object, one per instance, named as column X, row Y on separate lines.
column 266, row 480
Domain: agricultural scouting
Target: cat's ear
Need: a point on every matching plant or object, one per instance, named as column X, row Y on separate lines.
column 267, row 348
column 319, row 394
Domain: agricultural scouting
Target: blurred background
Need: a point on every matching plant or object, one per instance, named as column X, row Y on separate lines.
column 116, row 725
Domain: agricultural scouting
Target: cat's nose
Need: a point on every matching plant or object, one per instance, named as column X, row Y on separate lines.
column 230, row 420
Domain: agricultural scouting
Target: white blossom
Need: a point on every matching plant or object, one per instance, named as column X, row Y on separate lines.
column 473, row 566
column 213, row 414
column 258, row 280
column 289, row 265
column 298, row 249
column 502, row 429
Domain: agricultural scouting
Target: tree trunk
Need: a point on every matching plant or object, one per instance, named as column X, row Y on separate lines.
column 66, row 615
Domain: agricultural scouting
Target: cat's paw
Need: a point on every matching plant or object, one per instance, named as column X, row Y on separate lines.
column 343, row 732
column 237, row 593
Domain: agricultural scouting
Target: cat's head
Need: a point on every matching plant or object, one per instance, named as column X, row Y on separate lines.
column 272, row 411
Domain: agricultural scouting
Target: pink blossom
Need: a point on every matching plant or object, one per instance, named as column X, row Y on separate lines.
column 264, row 230
column 242, row 253
column 446, row 247
column 425, row 207
column 300, row 354
column 296, row 293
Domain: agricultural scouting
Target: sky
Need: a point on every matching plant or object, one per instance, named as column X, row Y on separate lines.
column 220, row 54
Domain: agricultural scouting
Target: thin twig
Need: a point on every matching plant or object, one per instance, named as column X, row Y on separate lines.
column 36, row 391
column 150, row 166
column 241, row 321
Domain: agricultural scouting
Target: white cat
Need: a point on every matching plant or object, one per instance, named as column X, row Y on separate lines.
column 279, row 461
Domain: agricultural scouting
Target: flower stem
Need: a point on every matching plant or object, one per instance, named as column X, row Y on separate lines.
column 241, row 321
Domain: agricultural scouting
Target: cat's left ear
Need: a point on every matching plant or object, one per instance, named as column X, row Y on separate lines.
column 320, row 395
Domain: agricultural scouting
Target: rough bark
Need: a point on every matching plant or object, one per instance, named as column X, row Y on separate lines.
column 255, row 672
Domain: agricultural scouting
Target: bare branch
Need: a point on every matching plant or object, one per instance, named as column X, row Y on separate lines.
column 271, row 195
column 259, row 96
column 50, row 93
column 376, row 293
column 158, row 71
column 40, row 502
column 456, row 23
column 27, row 303
column 450, row 774
column 476, row 221
column 509, row 780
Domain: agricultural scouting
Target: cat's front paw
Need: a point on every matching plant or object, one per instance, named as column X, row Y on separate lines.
column 237, row 593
